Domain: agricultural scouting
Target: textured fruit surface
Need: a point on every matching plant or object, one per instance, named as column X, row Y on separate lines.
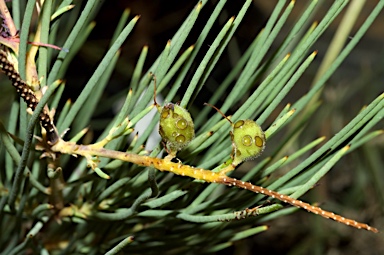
column 248, row 141
column 176, row 127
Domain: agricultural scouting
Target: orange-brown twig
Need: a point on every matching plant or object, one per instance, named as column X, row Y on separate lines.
column 198, row 174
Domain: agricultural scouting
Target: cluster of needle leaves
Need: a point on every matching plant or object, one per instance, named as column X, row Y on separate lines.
column 104, row 200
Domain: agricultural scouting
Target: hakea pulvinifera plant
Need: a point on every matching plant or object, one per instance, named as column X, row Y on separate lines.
column 248, row 141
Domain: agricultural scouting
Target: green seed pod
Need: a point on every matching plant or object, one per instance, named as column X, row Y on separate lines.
column 248, row 141
column 176, row 127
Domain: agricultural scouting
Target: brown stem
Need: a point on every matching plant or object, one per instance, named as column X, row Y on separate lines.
column 198, row 174
column 300, row 204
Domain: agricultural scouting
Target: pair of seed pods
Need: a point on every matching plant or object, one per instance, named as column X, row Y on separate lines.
column 177, row 131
